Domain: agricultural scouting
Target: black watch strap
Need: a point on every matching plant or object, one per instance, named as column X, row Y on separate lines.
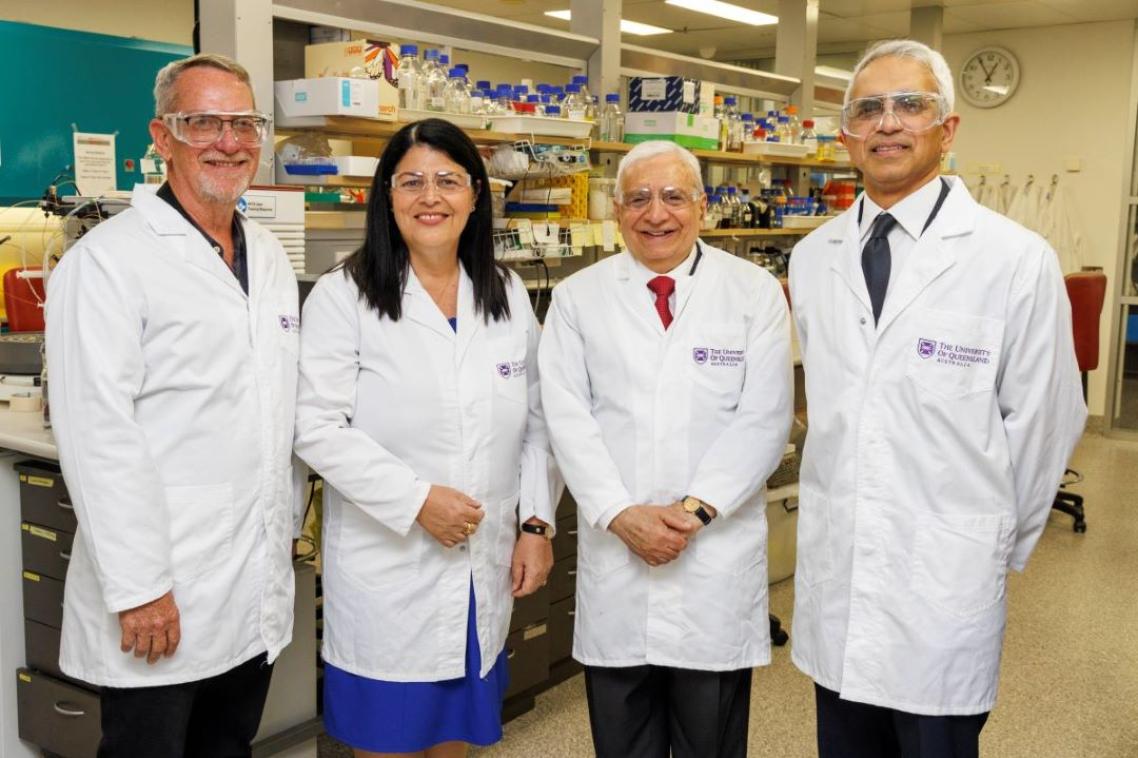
column 539, row 529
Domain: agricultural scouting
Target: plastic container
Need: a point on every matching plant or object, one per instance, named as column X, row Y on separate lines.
column 547, row 126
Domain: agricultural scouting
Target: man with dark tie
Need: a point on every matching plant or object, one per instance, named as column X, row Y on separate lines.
column 943, row 401
column 666, row 382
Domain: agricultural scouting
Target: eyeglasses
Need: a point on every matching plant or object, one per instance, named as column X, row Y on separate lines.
column 444, row 182
column 675, row 198
column 203, row 129
column 915, row 112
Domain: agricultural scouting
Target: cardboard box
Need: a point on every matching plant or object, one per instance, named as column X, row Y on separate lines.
column 685, row 129
column 663, row 94
column 328, row 96
column 340, row 58
column 353, row 57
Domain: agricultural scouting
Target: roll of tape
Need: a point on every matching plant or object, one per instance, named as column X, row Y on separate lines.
column 25, row 403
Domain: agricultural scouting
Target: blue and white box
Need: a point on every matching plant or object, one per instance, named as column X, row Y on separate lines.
column 663, row 93
column 325, row 96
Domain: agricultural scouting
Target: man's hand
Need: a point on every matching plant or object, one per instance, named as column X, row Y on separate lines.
column 654, row 533
column 533, row 560
column 677, row 508
column 152, row 630
column 449, row 516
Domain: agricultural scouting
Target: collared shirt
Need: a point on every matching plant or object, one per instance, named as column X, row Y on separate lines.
column 912, row 212
column 240, row 267
column 681, row 273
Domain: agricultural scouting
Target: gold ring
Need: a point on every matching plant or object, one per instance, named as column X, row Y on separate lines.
column 468, row 528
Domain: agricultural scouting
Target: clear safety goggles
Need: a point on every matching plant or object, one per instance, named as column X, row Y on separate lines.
column 675, row 198
column 915, row 112
column 204, row 129
column 444, row 182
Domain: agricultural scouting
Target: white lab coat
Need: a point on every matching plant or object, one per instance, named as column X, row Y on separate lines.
column 1061, row 228
column 640, row 415
column 385, row 409
column 935, row 446
column 172, row 404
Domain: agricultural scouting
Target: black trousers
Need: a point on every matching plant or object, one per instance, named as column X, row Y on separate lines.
column 654, row 711
column 856, row 730
column 211, row 718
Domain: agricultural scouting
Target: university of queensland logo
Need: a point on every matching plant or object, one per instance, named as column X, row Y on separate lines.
column 699, row 355
column 242, row 204
column 926, row 348
column 504, row 370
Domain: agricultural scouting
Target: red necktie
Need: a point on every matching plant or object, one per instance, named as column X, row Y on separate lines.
column 663, row 286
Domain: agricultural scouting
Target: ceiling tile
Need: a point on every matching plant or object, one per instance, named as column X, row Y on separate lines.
column 858, row 8
column 1012, row 15
column 954, row 24
column 1096, row 10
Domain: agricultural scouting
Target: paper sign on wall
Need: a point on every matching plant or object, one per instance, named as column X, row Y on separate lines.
column 94, row 163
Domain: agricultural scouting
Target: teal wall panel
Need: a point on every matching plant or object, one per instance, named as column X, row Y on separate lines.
column 52, row 78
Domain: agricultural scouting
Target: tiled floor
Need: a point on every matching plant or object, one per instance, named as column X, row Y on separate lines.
column 1069, row 685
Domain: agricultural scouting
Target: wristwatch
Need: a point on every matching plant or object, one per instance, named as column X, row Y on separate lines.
column 541, row 529
column 694, row 506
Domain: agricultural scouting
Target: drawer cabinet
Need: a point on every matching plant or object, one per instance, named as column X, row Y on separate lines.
column 43, row 496
column 46, row 551
column 58, row 717
column 527, row 651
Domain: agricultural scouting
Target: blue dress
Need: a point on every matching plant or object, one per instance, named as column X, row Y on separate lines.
column 406, row 717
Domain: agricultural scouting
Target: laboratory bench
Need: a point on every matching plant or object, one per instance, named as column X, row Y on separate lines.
column 40, row 704
column 40, row 708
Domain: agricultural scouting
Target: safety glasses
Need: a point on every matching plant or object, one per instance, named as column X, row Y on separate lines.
column 204, row 129
column 675, row 198
column 444, row 182
column 915, row 112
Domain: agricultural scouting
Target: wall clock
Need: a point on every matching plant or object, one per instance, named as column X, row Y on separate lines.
column 989, row 77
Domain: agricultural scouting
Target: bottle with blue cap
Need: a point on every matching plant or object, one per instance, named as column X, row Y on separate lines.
column 574, row 105
column 748, row 127
column 457, row 99
column 434, row 91
column 407, row 77
column 612, row 120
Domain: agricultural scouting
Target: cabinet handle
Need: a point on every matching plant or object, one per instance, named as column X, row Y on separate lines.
column 572, row 532
column 510, row 654
column 572, row 572
column 572, row 613
column 786, row 505
column 65, row 555
column 71, row 713
column 65, row 505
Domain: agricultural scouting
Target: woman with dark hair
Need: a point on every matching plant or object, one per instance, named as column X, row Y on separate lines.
column 419, row 405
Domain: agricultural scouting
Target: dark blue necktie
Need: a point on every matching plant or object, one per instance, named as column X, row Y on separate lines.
column 876, row 261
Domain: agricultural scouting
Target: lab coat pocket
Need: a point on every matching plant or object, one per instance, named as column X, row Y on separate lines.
column 959, row 563
column 717, row 359
column 600, row 552
column 201, row 528
column 813, row 563
column 506, row 515
column 286, row 323
column 733, row 545
column 954, row 354
column 508, row 359
column 370, row 554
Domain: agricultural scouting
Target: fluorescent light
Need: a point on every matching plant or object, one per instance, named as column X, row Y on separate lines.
column 727, row 11
column 642, row 30
column 837, row 73
column 628, row 27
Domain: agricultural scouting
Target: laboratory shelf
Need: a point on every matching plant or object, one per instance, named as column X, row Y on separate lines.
column 349, row 127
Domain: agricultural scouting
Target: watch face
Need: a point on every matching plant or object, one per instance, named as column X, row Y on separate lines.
column 989, row 77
